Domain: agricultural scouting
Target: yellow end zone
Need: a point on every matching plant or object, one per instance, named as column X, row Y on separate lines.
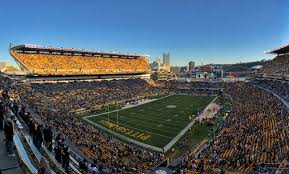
column 127, row 131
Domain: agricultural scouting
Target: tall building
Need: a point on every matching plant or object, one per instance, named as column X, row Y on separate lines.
column 192, row 65
column 166, row 58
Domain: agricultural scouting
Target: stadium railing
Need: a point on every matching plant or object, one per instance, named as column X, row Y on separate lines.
column 29, row 167
column 53, row 161
column 33, row 149
column 73, row 166
column 35, row 152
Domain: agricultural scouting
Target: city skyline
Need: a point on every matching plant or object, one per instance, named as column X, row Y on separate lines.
column 217, row 32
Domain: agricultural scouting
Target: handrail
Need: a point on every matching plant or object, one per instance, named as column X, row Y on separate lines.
column 23, row 155
column 35, row 151
column 72, row 166
column 70, row 157
column 52, row 159
column 38, row 154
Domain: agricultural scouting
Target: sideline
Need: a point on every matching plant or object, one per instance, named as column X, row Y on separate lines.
column 170, row 144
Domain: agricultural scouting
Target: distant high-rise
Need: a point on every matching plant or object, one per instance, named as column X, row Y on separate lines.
column 166, row 58
column 192, row 65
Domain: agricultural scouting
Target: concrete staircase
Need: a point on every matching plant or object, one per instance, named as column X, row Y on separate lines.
column 8, row 165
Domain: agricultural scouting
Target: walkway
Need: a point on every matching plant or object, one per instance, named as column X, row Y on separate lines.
column 7, row 164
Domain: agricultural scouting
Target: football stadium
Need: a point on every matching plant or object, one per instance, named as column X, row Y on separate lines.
column 103, row 95
column 216, row 103
column 121, row 121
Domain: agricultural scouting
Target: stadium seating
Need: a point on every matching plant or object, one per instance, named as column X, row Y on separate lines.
column 278, row 67
column 276, row 86
column 251, row 135
column 91, row 142
column 52, row 64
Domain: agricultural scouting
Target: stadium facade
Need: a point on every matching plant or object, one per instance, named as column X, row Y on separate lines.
column 37, row 60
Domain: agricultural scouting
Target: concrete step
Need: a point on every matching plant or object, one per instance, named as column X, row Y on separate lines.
column 7, row 162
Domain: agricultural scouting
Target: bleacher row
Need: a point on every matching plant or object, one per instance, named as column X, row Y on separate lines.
column 265, row 151
column 253, row 135
column 278, row 67
column 110, row 153
column 51, row 64
column 30, row 157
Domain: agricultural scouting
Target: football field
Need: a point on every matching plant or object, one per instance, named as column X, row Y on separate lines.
column 154, row 124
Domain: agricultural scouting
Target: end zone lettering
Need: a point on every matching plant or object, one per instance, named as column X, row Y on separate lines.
column 129, row 132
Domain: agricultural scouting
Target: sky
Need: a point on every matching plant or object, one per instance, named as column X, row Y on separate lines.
column 215, row 31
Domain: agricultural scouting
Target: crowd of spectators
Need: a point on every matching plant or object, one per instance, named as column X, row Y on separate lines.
column 108, row 153
column 279, row 66
column 172, row 85
column 279, row 87
column 253, row 135
column 55, row 64
column 6, row 122
column 56, row 103
column 69, row 97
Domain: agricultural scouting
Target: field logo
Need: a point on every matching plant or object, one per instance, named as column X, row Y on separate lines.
column 121, row 129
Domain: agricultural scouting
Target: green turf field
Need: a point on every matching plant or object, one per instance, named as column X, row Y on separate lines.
column 155, row 123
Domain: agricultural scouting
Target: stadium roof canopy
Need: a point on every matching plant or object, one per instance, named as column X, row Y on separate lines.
column 281, row 50
column 37, row 48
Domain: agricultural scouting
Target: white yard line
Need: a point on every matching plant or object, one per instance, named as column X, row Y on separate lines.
column 166, row 148
column 126, row 138
column 130, row 106
column 143, row 130
column 171, row 143
column 141, row 123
